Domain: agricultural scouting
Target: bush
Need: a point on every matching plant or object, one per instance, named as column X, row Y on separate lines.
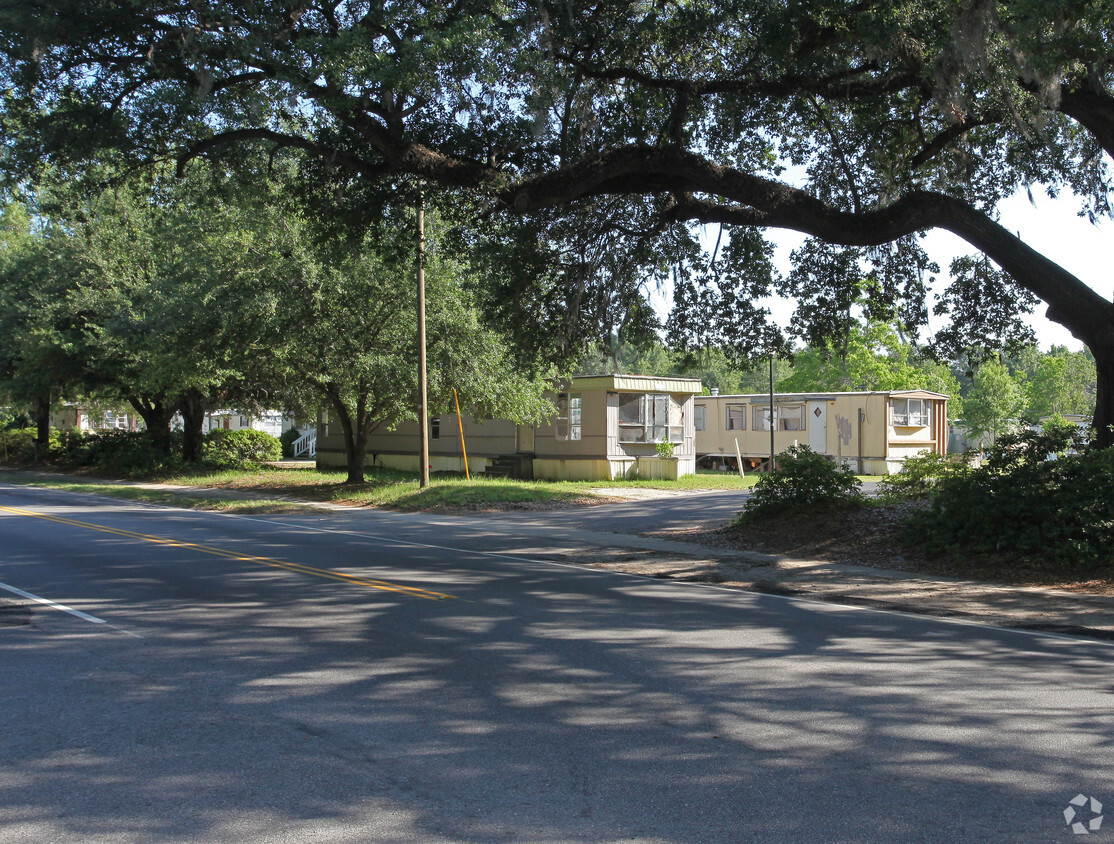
column 239, row 449
column 1038, row 495
column 13, row 420
column 70, row 446
column 920, row 475
column 287, row 440
column 17, row 445
column 803, row 479
column 130, row 453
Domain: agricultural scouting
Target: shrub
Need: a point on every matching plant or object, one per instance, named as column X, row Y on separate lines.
column 238, row 449
column 70, row 446
column 287, row 440
column 12, row 420
column 920, row 475
column 1026, row 448
column 17, row 445
column 664, row 449
column 130, row 453
column 803, row 479
column 1037, row 495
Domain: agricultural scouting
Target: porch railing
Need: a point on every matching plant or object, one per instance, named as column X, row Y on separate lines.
column 305, row 445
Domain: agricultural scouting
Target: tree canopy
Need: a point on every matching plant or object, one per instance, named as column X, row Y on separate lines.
column 996, row 402
column 873, row 357
column 345, row 328
column 177, row 294
column 860, row 124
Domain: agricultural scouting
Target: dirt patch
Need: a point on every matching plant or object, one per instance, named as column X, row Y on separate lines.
column 869, row 537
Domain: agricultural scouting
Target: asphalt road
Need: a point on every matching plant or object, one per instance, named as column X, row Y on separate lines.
column 373, row 678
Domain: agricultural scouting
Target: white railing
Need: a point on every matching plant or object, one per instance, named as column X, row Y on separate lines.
column 306, row 445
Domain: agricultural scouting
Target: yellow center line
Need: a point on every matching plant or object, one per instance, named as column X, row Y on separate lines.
column 383, row 585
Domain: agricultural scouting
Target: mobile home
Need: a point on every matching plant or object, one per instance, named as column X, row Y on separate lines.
column 872, row 432
column 604, row 426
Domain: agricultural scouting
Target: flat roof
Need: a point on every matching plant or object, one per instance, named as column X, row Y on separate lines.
column 832, row 395
column 637, row 383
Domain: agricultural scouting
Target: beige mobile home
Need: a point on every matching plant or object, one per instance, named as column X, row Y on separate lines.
column 871, row 432
column 605, row 426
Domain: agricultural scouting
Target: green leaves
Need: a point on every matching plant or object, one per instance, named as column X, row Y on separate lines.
column 803, row 481
column 1040, row 496
column 615, row 123
column 996, row 402
column 985, row 305
column 871, row 357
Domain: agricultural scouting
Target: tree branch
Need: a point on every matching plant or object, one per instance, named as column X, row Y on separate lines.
column 1094, row 110
column 281, row 140
column 854, row 83
column 764, row 202
column 952, row 133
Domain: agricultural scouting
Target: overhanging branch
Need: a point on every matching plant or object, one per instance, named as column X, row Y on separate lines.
column 746, row 199
column 280, row 140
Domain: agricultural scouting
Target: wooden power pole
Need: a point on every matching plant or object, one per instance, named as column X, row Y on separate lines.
column 423, row 422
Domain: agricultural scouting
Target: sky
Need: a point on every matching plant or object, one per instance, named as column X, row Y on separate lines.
column 1051, row 226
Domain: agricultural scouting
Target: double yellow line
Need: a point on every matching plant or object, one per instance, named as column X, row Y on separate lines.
column 329, row 574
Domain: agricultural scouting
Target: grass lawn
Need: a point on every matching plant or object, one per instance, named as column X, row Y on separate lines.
column 269, row 486
column 391, row 488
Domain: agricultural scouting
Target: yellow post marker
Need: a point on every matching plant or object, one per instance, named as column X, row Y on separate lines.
column 460, row 424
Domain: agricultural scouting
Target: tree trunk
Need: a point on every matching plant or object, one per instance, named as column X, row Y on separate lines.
column 361, row 434
column 357, row 429
column 40, row 408
column 358, row 458
column 193, row 417
column 353, row 454
column 1104, row 395
column 156, row 415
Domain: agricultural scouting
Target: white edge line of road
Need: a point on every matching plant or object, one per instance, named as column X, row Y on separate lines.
column 1038, row 634
column 56, row 606
column 53, row 604
column 726, row 589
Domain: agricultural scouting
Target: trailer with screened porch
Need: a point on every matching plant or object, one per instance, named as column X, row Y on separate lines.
column 603, row 427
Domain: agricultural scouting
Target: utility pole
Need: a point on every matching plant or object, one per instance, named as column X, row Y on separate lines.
column 423, row 422
column 771, row 411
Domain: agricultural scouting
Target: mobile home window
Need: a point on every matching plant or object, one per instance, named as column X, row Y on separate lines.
column 649, row 418
column 762, row 417
column 787, row 417
column 700, row 417
column 911, row 413
column 736, row 417
column 568, row 416
column 790, row 417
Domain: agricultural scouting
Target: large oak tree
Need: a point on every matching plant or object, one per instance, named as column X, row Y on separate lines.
column 892, row 116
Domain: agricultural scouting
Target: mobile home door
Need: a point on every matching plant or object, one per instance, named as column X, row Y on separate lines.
column 818, row 426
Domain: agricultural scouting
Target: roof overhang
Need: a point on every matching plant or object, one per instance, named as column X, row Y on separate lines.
column 635, row 384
